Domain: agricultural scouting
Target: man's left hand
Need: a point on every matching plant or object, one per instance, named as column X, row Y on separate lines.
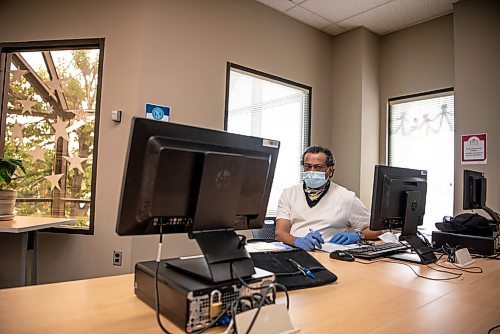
column 345, row 238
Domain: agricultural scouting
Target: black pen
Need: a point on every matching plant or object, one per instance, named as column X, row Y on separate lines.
column 303, row 270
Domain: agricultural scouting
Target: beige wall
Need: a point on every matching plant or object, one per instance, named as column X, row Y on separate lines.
column 166, row 52
column 370, row 114
column 477, row 83
column 414, row 60
column 460, row 51
column 65, row 257
column 175, row 53
column 355, row 113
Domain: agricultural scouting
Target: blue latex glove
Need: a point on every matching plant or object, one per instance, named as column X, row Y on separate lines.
column 345, row 238
column 311, row 241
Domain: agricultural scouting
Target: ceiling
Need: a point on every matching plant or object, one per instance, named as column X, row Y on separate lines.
column 380, row 16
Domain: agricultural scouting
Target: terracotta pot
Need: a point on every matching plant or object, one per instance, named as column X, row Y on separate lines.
column 7, row 204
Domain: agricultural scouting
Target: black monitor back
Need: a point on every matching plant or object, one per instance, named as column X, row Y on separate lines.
column 191, row 179
column 474, row 190
column 391, row 186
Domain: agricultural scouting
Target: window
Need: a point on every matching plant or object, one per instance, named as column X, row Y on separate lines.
column 421, row 136
column 262, row 105
column 50, row 112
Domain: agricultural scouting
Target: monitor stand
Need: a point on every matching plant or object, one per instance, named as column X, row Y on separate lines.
column 223, row 254
column 424, row 253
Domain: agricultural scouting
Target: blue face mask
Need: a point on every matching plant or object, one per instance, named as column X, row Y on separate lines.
column 314, row 179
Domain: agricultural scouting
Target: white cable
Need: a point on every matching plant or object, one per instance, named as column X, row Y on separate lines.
column 229, row 327
column 158, row 257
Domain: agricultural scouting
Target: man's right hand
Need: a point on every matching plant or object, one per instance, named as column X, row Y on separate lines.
column 311, row 241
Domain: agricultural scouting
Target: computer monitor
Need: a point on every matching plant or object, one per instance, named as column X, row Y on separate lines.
column 474, row 196
column 207, row 183
column 398, row 202
column 474, row 190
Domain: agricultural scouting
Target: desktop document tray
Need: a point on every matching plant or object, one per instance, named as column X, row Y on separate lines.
column 287, row 274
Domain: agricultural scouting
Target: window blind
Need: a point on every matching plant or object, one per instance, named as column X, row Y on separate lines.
column 264, row 106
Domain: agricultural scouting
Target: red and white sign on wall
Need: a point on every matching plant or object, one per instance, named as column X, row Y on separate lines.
column 474, row 149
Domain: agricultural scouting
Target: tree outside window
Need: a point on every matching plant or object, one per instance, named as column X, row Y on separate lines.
column 49, row 122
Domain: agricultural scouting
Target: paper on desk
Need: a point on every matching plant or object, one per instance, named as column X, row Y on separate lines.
column 388, row 237
column 331, row 247
column 261, row 246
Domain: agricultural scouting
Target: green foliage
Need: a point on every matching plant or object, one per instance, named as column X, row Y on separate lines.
column 7, row 169
column 78, row 74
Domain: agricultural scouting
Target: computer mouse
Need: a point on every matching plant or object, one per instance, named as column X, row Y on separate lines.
column 342, row 256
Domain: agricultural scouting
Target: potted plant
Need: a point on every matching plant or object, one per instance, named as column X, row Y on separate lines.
column 8, row 196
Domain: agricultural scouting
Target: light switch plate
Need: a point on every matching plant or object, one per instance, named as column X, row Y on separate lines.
column 116, row 115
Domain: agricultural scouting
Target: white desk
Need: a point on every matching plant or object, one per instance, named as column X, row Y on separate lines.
column 17, row 237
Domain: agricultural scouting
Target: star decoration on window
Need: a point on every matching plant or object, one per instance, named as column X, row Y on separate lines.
column 37, row 154
column 60, row 129
column 17, row 74
column 76, row 162
column 79, row 114
column 17, row 131
column 54, row 180
column 27, row 105
column 54, row 84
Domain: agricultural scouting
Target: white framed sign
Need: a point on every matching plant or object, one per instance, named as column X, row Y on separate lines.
column 474, row 149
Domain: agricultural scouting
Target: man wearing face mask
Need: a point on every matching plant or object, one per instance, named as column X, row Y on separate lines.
column 317, row 209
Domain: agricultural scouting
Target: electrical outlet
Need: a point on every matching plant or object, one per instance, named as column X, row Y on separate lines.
column 117, row 258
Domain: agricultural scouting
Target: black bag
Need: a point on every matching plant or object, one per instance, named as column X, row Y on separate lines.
column 466, row 223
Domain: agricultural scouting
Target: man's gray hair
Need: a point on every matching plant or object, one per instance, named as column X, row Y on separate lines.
column 330, row 159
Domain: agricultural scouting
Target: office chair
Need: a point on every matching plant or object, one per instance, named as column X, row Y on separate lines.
column 266, row 232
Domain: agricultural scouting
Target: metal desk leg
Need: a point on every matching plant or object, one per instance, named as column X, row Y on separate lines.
column 13, row 259
column 33, row 246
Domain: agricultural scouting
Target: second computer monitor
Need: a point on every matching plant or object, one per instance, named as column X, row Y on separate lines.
column 474, row 190
column 398, row 200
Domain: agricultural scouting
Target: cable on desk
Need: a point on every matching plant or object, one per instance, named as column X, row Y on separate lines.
column 276, row 285
column 457, row 275
column 450, row 251
column 229, row 307
column 489, row 257
column 268, row 288
column 464, row 269
column 244, row 303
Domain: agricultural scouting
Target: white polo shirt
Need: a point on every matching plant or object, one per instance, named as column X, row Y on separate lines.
column 338, row 210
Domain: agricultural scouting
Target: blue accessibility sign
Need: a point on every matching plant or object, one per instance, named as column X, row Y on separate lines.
column 157, row 112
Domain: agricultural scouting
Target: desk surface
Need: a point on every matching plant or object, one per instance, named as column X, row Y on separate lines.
column 31, row 223
column 367, row 298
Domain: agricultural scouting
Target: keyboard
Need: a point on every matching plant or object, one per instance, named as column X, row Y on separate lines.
column 379, row 250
